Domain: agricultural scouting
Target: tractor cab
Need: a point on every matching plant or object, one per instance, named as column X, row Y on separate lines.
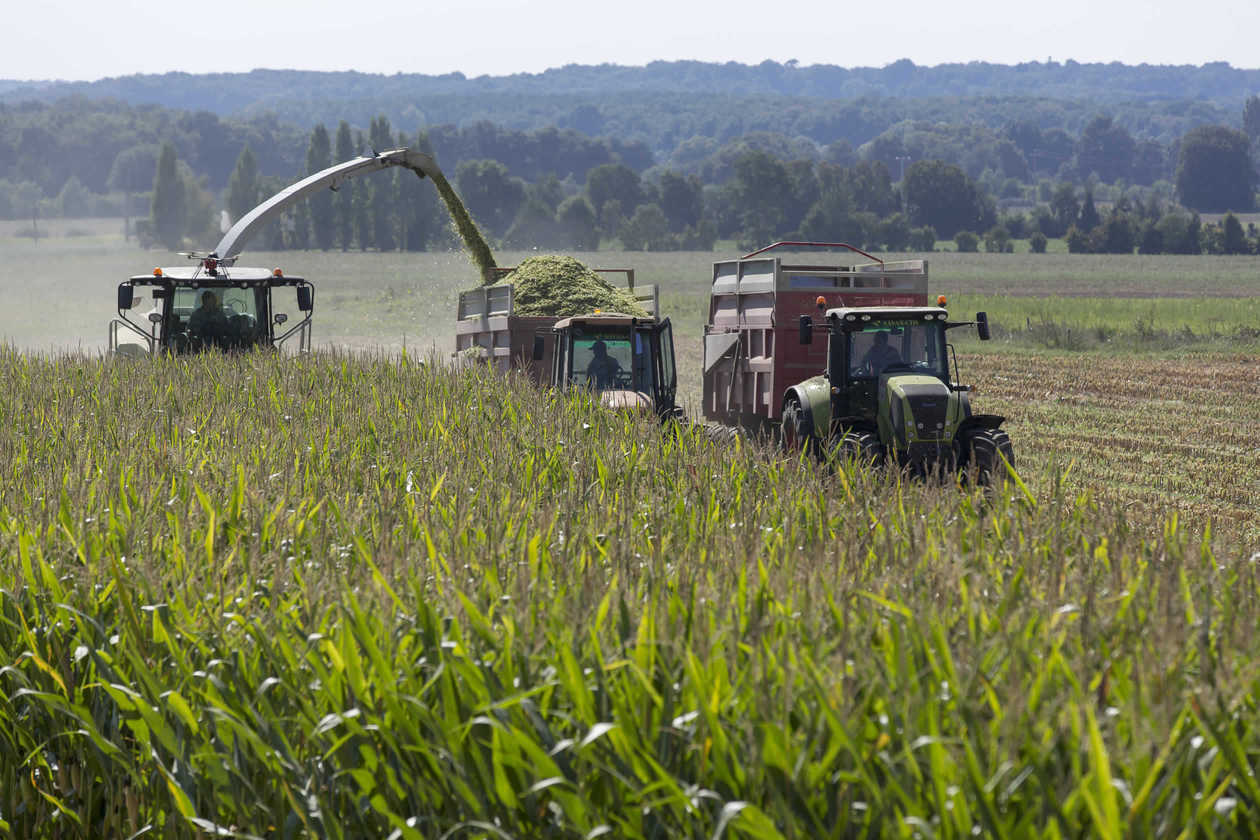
column 628, row 360
column 890, row 391
column 209, row 305
column 872, row 343
column 879, row 358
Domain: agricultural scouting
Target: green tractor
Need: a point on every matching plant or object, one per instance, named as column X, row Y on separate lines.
column 889, row 395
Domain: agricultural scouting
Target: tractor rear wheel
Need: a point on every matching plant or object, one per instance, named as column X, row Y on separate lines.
column 983, row 451
column 796, row 429
column 863, row 447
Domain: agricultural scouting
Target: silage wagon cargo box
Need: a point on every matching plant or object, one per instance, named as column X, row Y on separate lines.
column 752, row 349
column 488, row 327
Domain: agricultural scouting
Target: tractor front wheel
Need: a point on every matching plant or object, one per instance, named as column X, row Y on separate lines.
column 863, row 447
column 796, row 429
column 983, row 451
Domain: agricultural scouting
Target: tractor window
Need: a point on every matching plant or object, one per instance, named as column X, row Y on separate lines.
column 644, row 363
column 668, row 373
column 602, row 360
column 225, row 317
column 907, row 346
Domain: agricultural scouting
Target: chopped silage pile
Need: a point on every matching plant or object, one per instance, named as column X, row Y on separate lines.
column 560, row 286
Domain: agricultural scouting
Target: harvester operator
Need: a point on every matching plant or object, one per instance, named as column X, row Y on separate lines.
column 208, row 321
column 603, row 368
column 881, row 354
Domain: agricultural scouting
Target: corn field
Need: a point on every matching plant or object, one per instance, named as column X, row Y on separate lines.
column 346, row 596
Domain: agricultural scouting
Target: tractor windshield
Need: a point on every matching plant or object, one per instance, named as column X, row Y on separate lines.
column 603, row 360
column 902, row 345
column 215, row 316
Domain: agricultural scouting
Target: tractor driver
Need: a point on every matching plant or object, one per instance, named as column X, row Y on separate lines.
column 603, row 369
column 208, row 322
column 881, row 354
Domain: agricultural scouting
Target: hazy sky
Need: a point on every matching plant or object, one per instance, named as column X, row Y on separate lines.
column 90, row 39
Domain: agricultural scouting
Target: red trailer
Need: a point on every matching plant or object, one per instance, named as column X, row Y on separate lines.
column 752, row 352
column 486, row 328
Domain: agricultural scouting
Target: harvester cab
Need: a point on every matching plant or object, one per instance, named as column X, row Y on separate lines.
column 890, row 392
column 629, row 361
column 215, row 304
column 210, row 306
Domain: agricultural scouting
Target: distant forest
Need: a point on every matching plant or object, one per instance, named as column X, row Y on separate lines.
column 1109, row 84
column 1017, row 135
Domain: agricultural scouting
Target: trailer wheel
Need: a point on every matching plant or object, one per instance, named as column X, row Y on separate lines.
column 983, row 451
column 863, row 447
column 796, row 429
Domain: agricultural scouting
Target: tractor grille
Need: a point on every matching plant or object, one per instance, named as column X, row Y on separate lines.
column 929, row 405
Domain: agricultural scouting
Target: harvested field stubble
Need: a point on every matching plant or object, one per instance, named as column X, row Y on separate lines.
column 561, row 285
column 1153, row 435
column 346, row 597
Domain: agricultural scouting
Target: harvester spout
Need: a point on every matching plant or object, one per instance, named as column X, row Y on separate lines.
column 233, row 242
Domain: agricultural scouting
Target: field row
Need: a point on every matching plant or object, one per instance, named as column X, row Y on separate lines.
column 1153, row 435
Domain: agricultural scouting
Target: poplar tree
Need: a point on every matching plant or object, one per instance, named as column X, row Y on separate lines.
column 169, row 210
column 419, row 204
column 343, row 199
column 1251, row 118
column 360, row 201
column 1089, row 218
column 383, row 189
column 243, row 185
column 323, row 216
column 299, row 234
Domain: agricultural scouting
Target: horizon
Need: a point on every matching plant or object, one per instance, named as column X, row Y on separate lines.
column 76, row 41
column 790, row 64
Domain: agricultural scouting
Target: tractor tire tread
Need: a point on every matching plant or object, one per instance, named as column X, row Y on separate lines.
column 983, row 451
column 863, row 447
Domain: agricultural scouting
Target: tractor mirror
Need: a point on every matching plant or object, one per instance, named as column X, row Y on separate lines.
column 126, row 295
column 982, row 325
column 807, row 329
column 540, row 347
column 305, row 299
column 281, row 317
column 155, row 317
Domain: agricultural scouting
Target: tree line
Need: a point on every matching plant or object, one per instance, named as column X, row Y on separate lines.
column 762, row 197
column 1110, row 83
column 79, row 155
column 561, row 188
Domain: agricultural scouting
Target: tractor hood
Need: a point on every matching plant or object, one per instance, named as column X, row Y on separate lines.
column 918, row 408
column 625, row 400
column 913, row 385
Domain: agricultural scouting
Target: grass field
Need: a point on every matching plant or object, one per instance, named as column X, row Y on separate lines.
column 355, row 595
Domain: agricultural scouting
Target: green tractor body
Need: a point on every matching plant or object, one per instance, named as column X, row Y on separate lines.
column 889, row 393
